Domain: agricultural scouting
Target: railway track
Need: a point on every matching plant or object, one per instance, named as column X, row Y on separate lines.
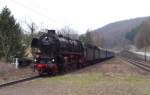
column 129, row 54
column 141, row 64
column 34, row 77
column 18, row 81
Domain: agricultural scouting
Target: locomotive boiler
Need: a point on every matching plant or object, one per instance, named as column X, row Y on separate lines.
column 57, row 53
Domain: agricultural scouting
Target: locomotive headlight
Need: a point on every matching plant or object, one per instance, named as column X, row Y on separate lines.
column 53, row 60
column 35, row 60
column 46, row 38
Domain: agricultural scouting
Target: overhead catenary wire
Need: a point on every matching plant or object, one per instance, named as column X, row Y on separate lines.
column 33, row 10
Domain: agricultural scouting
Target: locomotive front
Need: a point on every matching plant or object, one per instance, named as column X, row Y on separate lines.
column 48, row 49
column 57, row 53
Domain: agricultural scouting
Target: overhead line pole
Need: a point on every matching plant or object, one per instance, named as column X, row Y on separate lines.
column 145, row 47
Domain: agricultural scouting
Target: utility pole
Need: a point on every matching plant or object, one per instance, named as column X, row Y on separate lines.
column 145, row 55
column 145, row 58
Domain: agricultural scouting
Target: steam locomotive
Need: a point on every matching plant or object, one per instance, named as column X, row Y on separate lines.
column 57, row 54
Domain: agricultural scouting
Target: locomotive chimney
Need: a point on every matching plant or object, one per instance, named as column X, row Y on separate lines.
column 51, row 32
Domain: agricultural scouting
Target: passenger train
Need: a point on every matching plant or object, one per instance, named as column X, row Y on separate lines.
column 58, row 54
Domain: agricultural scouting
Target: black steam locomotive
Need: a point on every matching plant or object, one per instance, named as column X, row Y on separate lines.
column 57, row 53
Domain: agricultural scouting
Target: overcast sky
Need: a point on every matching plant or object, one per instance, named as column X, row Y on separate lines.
column 77, row 14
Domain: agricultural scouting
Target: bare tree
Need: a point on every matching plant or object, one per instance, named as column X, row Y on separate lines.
column 68, row 32
column 142, row 38
column 32, row 28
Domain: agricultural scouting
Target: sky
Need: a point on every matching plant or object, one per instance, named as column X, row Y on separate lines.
column 80, row 15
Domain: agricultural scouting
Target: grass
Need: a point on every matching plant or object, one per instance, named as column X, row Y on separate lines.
column 99, row 81
column 94, row 77
column 99, row 84
column 79, row 79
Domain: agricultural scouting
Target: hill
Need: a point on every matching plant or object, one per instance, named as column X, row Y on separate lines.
column 114, row 34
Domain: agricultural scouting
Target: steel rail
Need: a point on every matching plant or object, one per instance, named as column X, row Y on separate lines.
column 17, row 81
column 139, row 64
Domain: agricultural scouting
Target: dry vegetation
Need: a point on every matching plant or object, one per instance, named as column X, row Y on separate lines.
column 8, row 72
column 112, row 77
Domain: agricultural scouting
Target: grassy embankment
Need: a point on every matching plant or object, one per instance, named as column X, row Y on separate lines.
column 100, row 84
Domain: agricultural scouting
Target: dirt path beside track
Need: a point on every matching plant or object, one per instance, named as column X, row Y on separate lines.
column 111, row 77
column 114, row 66
column 8, row 72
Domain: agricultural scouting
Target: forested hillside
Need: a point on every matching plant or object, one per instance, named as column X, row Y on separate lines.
column 140, row 35
column 119, row 34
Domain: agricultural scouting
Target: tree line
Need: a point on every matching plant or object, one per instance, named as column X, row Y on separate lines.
column 10, row 35
column 140, row 35
column 14, row 42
